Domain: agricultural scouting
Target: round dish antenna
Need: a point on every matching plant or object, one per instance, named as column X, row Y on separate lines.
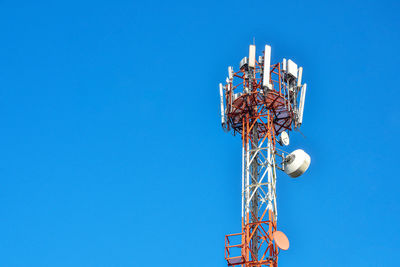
column 284, row 139
column 281, row 240
column 296, row 163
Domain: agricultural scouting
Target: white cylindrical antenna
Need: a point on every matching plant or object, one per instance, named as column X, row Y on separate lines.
column 230, row 71
column 221, row 94
column 252, row 56
column 227, row 80
column 301, row 105
column 267, row 64
column 299, row 75
column 284, row 64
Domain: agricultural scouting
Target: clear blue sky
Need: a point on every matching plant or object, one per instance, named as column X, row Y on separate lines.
column 112, row 152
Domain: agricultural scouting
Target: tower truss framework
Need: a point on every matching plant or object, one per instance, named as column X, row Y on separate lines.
column 259, row 114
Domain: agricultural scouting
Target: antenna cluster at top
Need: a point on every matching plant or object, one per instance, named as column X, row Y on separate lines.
column 258, row 87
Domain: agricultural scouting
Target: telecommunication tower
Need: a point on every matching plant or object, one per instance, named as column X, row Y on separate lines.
column 262, row 102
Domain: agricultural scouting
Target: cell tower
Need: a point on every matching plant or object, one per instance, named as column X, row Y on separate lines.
column 262, row 102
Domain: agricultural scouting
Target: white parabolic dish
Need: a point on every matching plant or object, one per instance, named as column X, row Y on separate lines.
column 284, row 139
column 296, row 163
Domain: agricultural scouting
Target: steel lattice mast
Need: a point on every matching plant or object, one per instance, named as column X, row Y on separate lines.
column 260, row 102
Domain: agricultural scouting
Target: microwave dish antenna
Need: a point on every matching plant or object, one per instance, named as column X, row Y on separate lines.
column 284, row 139
column 281, row 240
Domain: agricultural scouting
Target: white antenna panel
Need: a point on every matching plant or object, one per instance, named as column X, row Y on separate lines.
column 221, row 94
column 243, row 62
column 299, row 76
column 252, row 56
column 230, row 71
column 301, row 105
column 284, row 65
column 292, row 68
column 267, row 64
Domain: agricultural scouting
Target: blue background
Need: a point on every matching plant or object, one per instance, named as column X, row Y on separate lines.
column 112, row 152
